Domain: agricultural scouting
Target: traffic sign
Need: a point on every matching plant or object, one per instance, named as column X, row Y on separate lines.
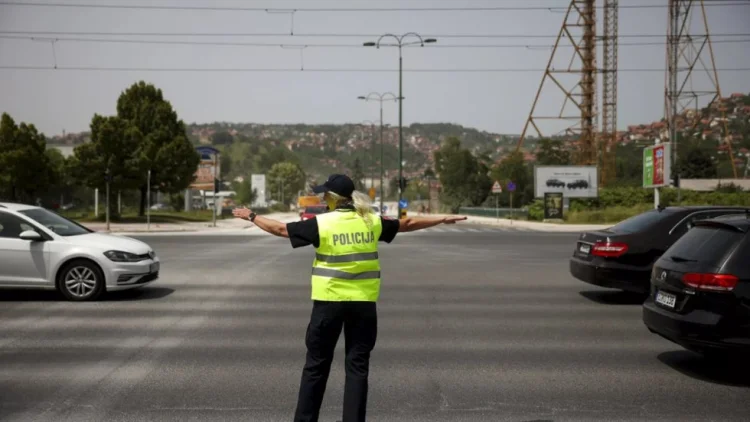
column 403, row 203
column 511, row 186
column 496, row 188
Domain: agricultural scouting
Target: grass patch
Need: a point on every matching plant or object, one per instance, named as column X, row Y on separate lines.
column 605, row 215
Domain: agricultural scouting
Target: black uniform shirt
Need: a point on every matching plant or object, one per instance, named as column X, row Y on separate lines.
column 303, row 233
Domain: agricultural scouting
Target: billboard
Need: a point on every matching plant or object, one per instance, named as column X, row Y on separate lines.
column 571, row 181
column 258, row 182
column 656, row 165
column 208, row 169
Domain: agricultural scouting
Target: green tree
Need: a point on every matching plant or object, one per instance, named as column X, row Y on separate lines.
column 285, row 180
column 552, row 152
column 27, row 171
column 358, row 175
column 697, row 164
column 512, row 168
column 629, row 166
column 163, row 145
column 245, row 194
column 111, row 151
column 463, row 177
column 62, row 184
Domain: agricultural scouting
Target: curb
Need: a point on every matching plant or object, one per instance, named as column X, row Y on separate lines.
column 532, row 226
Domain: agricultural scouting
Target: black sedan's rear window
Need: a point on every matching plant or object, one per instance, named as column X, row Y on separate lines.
column 640, row 222
column 709, row 245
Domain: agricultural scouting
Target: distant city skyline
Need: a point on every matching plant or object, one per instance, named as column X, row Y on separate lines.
column 494, row 101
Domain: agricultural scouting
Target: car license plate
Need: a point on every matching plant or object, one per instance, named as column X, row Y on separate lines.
column 666, row 299
column 584, row 248
column 154, row 267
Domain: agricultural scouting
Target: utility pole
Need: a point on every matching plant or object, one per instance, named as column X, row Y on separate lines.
column 107, row 177
column 148, row 201
column 216, row 188
column 578, row 109
column 686, row 57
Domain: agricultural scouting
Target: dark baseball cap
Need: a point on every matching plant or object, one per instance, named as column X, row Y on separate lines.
column 337, row 183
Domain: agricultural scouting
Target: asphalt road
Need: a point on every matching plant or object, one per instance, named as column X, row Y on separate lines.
column 475, row 325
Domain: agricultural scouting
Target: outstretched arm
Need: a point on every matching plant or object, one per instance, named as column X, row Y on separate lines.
column 268, row 225
column 411, row 224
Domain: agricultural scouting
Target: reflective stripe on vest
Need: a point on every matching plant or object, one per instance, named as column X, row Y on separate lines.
column 347, row 258
column 346, row 266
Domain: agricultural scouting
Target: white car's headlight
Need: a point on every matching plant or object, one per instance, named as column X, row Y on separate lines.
column 120, row 256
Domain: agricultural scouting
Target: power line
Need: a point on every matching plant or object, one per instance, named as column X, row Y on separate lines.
column 340, row 9
column 316, row 45
column 320, row 70
column 322, row 35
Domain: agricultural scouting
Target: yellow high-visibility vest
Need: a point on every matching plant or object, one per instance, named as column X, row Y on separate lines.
column 346, row 265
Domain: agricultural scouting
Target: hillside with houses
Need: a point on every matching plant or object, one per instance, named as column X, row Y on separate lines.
column 326, row 147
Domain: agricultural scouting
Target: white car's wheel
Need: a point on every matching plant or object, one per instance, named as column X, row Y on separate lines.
column 81, row 280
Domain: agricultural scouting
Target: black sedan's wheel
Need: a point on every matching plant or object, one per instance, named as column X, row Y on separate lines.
column 80, row 281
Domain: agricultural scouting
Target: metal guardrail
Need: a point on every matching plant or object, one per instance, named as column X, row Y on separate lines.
column 492, row 212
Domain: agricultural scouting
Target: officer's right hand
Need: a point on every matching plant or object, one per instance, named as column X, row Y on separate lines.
column 453, row 219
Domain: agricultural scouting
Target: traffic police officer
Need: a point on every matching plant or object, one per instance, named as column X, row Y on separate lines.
column 345, row 288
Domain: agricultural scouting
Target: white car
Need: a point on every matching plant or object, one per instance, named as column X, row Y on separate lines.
column 39, row 248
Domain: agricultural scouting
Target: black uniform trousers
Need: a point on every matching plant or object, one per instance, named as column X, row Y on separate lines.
column 360, row 323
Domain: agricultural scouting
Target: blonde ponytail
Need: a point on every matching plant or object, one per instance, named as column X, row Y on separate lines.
column 361, row 203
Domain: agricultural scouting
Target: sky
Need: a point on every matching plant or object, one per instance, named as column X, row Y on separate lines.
column 494, row 99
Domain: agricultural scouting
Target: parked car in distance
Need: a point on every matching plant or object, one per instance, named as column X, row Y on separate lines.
column 160, row 207
column 312, row 211
column 622, row 256
column 578, row 184
column 41, row 249
column 700, row 288
column 555, row 183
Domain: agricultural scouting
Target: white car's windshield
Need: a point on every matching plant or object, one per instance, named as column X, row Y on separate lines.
column 55, row 222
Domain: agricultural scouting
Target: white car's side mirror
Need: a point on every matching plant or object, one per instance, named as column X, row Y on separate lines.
column 30, row 235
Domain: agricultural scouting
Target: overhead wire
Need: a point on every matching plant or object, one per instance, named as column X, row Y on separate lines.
column 342, row 9
column 328, row 70
column 314, row 45
column 322, row 35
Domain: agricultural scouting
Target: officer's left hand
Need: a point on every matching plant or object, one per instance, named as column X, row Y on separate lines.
column 243, row 213
column 453, row 219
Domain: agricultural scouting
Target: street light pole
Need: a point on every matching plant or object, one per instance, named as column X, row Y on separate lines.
column 400, row 44
column 382, row 162
column 380, row 98
column 400, row 130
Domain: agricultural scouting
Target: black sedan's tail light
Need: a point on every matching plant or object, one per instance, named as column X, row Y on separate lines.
column 609, row 249
column 710, row 282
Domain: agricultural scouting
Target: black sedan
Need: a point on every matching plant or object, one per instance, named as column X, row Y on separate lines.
column 622, row 256
column 555, row 183
column 700, row 291
column 578, row 184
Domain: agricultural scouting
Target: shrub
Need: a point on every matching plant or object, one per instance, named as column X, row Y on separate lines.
column 536, row 210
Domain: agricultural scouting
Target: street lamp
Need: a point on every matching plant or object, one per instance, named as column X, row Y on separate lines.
column 387, row 96
column 400, row 43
